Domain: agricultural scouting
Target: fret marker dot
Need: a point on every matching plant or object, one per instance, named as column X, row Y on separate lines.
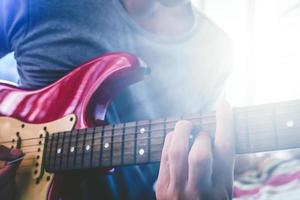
column 142, row 130
column 141, row 152
column 72, row 149
column 88, row 147
column 59, row 151
column 106, row 145
column 290, row 124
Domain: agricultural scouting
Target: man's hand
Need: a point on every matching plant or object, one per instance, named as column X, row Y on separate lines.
column 203, row 172
column 8, row 172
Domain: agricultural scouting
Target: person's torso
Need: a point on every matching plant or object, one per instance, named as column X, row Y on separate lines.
column 61, row 35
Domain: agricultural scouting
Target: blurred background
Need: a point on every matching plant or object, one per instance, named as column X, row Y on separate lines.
column 267, row 48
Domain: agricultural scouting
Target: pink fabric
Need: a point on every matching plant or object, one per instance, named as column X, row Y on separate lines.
column 275, row 181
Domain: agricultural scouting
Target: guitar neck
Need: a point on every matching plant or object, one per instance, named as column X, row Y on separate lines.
column 257, row 129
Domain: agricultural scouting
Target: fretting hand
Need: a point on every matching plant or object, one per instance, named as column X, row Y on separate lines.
column 203, row 172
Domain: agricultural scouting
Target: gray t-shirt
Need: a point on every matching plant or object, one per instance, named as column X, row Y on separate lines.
column 50, row 38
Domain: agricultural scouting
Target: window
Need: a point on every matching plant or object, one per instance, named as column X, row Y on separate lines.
column 267, row 47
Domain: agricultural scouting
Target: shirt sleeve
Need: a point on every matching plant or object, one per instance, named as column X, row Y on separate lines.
column 13, row 21
column 4, row 47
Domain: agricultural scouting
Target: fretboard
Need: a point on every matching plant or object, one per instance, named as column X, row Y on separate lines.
column 257, row 129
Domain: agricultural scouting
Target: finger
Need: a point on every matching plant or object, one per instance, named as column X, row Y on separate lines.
column 224, row 145
column 9, row 170
column 12, row 157
column 164, row 170
column 7, row 154
column 178, row 154
column 200, row 164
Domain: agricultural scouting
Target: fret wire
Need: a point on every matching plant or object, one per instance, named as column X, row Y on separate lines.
column 123, row 139
column 76, row 146
column 62, row 147
column 165, row 126
column 68, row 152
column 92, row 148
column 101, row 146
column 112, row 144
column 149, row 140
column 71, row 159
column 83, row 145
column 235, row 110
column 135, row 142
column 55, row 157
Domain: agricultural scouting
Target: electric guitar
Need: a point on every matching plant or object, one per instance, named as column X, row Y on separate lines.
column 60, row 131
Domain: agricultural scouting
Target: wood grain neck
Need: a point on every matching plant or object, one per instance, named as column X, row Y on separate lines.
column 258, row 128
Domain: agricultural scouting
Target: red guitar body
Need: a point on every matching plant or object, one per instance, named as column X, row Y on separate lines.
column 85, row 92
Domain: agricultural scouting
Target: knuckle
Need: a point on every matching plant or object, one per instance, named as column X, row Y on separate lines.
column 173, row 191
column 165, row 158
column 192, row 193
column 183, row 124
column 166, row 194
column 175, row 154
column 160, row 193
column 168, row 137
column 200, row 158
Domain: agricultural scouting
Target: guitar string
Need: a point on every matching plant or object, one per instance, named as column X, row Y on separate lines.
column 89, row 137
column 68, row 133
column 155, row 153
column 91, row 130
column 126, row 152
column 118, row 157
column 121, row 128
column 101, row 144
column 96, row 138
column 208, row 115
